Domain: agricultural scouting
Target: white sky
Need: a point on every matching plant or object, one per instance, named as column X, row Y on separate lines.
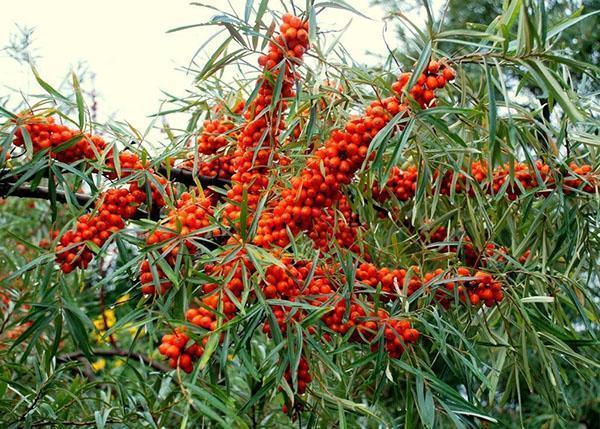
column 124, row 42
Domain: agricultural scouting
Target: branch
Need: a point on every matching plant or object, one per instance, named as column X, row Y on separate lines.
column 40, row 192
column 114, row 353
column 47, row 423
column 43, row 193
column 181, row 175
column 186, row 177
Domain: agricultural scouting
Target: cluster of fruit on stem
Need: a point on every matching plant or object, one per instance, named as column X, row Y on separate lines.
column 208, row 157
column 514, row 179
column 116, row 205
column 62, row 143
column 256, row 153
column 333, row 166
column 183, row 225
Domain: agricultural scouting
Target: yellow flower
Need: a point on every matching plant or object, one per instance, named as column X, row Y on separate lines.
column 102, row 322
column 99, row 323
column 118, row 363
column 111, row 319
column 99, row 365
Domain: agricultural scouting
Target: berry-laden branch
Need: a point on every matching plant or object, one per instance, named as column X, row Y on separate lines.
column 320, row 184
column 43, row 193
column 256, row 152
column 402, row 183
column 69, row 145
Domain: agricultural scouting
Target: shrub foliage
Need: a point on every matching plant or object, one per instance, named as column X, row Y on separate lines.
column 324, row 243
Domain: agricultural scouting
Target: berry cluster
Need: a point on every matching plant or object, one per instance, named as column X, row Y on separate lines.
column 478, row 287
column 63, row 143
column 216, row 300
column 398, row 335
column 436, row 235
column 129, row 163
column 401, row 183
column 191, row 214
column 215, row 135
column 258, row 139
column 283, row 283
column 392, row 282
column 303, row 376
column 341, row 226
column 436, row 76
column 116, row 205
column 149, row 280
column 514, row 179
column 334, row 165
column 581, row 178
column 183, row 225
column 174, row 346
column 365, row 323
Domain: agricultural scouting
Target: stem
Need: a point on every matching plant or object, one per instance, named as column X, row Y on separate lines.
column 111, row 337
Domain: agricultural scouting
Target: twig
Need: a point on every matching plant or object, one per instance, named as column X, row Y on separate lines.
column 69, row 423
column 111, row 337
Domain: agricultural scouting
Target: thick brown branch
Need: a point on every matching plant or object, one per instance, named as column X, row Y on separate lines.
column 178, row 175
column 186, row 177
column 40, row 192
column 43, row 193
column 114, row 353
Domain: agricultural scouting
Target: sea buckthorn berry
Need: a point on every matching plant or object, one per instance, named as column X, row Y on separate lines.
column 64, row 144
column 113, row 208
column 303, row 376
column 173, row 346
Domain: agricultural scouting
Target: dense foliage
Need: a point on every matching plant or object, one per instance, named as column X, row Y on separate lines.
column 324, row 244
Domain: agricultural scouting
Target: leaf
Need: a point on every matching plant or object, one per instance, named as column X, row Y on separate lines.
column 492, row 115
column 557, row 90
column 47, row 87
column 341, row 4
column 79, row 99
column 419, row 67
column 569, row 22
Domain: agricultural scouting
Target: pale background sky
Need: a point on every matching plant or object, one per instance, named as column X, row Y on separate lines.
column 125, row 44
